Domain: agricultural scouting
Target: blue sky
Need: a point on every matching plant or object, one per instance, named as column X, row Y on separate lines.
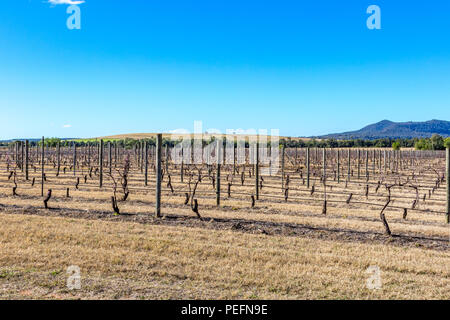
column 304, row 67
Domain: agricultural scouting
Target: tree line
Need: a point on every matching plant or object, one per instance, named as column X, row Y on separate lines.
column 436, row 142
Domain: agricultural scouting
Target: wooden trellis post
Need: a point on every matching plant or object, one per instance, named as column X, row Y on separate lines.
column 58, row 157
column 146, row 163
column 110, row 156
column 397, row 155
column 373, row 162
column 389, row 159
column 367, row 164
column 234, row 159
column 74, row 158
column 16, row 147
column 27, row 146
column 138, row 154
column 136, row 159
column 257, row 170
column 224, row 150
column 307, row 168
column 100, row 163
column 379, row 161
column 324, row 163
column 338, row 166
column 42, row 166
column 282, row 165
column 115, row 154
column 447, row 178
column 89, row 154
column 143, row 155
column 218, row 173
column 158, row 174
column 182, row 163
column 359, row 164
column 349, row 164
column 22, row 156
column 167, row 158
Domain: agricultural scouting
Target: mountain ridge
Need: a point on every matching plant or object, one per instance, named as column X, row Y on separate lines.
column 395, row 130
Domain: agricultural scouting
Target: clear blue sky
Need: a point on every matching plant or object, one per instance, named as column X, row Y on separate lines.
column 304, row 67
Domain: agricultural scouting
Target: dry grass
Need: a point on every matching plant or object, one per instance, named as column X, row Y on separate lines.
column 130, row 260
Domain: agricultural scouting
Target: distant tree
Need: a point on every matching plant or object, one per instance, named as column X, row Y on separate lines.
column 332, row 143
column 447, row 143
column 301, row 143
column 51, row 142
column 423, row 144
column 437, row 142
column 396, row 145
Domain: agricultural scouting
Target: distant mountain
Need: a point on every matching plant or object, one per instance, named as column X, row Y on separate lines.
column 389, row 129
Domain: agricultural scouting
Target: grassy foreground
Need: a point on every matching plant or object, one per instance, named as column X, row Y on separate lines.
column 135, row 261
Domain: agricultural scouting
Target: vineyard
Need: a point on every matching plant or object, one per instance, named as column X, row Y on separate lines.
column 371, row 197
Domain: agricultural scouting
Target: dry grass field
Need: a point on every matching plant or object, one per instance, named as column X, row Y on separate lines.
column 278, row 249
column 195, row 136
